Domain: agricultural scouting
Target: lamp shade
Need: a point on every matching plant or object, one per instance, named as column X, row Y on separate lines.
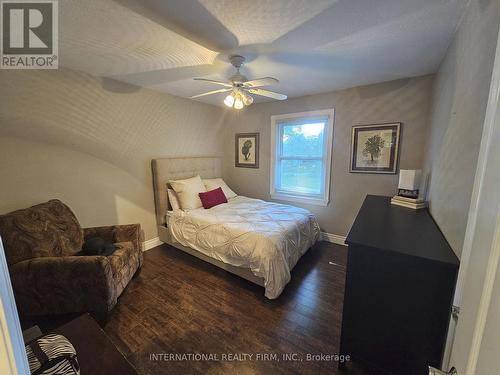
column 229, row 101
column 409, row 179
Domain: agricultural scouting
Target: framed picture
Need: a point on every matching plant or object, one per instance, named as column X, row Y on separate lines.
column 375, row 148
column 247, row 150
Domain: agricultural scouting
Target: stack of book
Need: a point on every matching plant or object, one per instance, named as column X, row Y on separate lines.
column 408, row 202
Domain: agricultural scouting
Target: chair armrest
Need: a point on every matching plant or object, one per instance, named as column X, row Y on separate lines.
column 58, row 285
column 117, row 233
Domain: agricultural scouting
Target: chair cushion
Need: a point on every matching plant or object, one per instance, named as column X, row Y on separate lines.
column 47, row 229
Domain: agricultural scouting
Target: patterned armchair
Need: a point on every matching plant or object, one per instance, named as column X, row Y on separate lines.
column 49, row 277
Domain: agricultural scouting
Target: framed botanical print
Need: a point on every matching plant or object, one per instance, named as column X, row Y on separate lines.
column 375, row 148
column 247, row 150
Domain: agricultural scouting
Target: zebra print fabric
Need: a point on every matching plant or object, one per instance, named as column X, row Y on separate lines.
column 52, row 355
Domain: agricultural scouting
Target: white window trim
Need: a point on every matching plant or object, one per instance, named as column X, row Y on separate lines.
column 326, row 188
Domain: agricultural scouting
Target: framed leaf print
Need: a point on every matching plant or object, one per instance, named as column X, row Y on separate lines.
column 247, row 150
column 375, row 148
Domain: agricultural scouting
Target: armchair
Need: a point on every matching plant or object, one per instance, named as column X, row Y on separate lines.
column 50, row 277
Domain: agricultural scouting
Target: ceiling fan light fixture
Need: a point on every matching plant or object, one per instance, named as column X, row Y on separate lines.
column 238, row 103
column 247, row 99
column 229, row 101
column 240, row 87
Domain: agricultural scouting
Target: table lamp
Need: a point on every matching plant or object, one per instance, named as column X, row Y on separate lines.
column 409, row 183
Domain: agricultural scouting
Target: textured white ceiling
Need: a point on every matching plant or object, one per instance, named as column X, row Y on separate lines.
column 311, row 46
column 263, row 21
column 103, row 37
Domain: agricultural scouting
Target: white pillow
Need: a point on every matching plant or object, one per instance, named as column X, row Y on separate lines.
column 187, row 192
column 173, row 200
column 214, row 183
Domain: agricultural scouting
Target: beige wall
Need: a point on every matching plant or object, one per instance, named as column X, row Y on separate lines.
column 89, row 142
column 405, row 101
column 457, row 115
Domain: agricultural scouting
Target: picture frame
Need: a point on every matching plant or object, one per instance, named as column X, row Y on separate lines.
column 375, row 148
column 246, row 150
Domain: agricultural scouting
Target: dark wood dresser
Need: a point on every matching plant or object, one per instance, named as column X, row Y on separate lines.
column 95, row 352
column 401, row 275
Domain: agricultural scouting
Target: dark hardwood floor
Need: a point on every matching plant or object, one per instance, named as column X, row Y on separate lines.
column 180, row 304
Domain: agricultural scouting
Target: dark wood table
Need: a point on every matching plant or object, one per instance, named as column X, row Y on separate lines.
column 96, row 353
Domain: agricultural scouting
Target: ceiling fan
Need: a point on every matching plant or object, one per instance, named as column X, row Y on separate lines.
column 240, row 87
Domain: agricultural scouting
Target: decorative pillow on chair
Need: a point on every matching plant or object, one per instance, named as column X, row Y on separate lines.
column 173, row 200
column 214, row 183
column 212, row 198
column 187, row 192
column 98, row 246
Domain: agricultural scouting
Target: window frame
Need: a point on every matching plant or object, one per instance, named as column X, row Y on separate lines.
column 324, row 198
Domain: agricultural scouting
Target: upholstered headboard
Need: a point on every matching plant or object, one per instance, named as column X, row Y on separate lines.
column 175, row 169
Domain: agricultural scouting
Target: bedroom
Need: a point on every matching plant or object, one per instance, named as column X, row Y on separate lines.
column 113, row 122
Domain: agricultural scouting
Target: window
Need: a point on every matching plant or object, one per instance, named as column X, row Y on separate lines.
column 301, row 149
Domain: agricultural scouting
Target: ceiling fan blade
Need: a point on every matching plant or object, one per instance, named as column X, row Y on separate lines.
column 266, row 81
column 267, row 93
column 210, row 93
column 214, row 82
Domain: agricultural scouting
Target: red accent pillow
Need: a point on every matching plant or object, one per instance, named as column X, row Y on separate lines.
column 212, row 198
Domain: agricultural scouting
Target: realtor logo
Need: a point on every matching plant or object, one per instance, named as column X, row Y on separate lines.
column 29, row 34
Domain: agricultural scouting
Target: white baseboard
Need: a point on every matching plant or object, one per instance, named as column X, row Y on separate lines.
column 333, row 238
column 153, row 242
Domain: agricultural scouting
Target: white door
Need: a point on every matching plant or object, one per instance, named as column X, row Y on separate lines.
column 476, row 345
column 13, row 359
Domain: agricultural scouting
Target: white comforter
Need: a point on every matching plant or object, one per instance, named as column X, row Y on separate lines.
column 268, row 238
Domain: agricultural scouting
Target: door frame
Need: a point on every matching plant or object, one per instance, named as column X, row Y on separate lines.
column 491, row 122
column 13, row 360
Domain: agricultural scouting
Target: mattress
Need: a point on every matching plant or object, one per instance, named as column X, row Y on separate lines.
column 268, row 238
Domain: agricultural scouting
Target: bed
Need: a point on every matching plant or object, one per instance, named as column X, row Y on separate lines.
column 254, row 239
